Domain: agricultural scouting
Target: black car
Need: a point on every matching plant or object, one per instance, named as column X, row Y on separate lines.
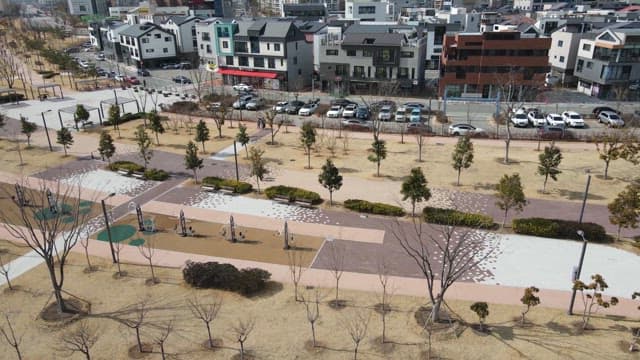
column 342, row 102
column 362, row 113
column 549, row 132
column 181, row 80
column 143, row 72
column 293, row 107
column 596, row 111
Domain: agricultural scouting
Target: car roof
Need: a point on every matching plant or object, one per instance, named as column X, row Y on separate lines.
column 458, row 125
column 554, row 115
column 386, row 107
column 571, row 113
column 416, row 110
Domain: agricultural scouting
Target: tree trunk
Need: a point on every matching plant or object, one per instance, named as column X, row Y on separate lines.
column 87, row 355
column 157, row 139
column 57, row 291
column 606, row 169
column 153, row 275
column 138, row 339
column 86, row 254
column 65, row 149
column 209, row 334
column 544, row 186
column 241, row 350
column 435, row 311
column 220, row 131
column 195, row 176
column 313, row 334
column 384, row 323
column 29, row 141
column 258, row 184
column 413, row 209
column 378, row 171
column 162, row 350
column 247, row 151
column 330, row 198
column 118, row 264
column 355, row 352
column 507, row 142
column 619, row 230
column 504, row 220
column 308, row 158
column 6, row 276
column 203, row 146
column 458, row 182
column 337, row 282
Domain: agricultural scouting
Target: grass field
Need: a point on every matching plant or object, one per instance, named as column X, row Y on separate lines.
column 34, row 159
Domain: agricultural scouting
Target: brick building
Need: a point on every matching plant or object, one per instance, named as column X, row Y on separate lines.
column 478, row 65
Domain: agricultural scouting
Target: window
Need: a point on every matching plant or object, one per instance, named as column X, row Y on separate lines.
column 589, row 65
column 271, row 63
column 145, row 40
column 167, row 38
column 149, row 50
column 351, row 53
column 276, row 47
column 243, row 61
column 83, row 8
column 208, row 49
column 586, row 47
column 579, row 65
column 258, row 62
column 332, row 52
column 206, row 36
column 193, row 31
column 194, row 43
column 560, row 43
column 165, row 50
column 406, row 54
column 157, row 36
column 561, row 59
column 281, row 62
column 223, row 31
column 296, row 46
column 358, row 72
column 225, row 44
column 403, row 73
column 229, row 60
column 299, row 71
column 367, row 53
column 366, row 9
column 295, row 60
column 268, row 46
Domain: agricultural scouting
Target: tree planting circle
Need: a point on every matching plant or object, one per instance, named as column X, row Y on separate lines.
column 136, row 242
column 118, row 233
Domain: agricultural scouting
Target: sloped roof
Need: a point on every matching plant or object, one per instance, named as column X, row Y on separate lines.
column 380, row 39
column 138, row 30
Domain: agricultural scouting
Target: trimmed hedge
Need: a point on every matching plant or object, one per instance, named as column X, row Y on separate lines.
column 126, row 117
column 213, row 275
column 156, row 174
column 131, row 167
column 11, row 98
column 240, row 187
column 457, row 218
column 373, row 207
column 293, row 193
column 560, row 229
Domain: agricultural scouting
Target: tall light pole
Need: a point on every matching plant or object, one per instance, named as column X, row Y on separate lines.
column 578, row 270
column 46, row 130
column 235, row 156
column 106, row 221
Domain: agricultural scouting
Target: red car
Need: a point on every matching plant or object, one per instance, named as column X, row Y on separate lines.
column 132, row 80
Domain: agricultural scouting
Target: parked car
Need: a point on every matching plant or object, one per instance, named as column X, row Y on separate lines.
column 242, row 102
column 414, row 105
column 573, row 119
column 169, row 66
column 536, row 118
column 554, row 120
column 597, row 110
column 255, row 103
column 180, row 79
column 416, row 115
column 100, row 57
column 385, row 113
column 520, row 119
column 401, row 114
column 308, row 109
column 293, row 107
column 334, row 111
column 132, row 80
column 280, row 106
column 242, row 87
column 464, row 129
column 611, row 119
column 549, row 132
column 635, row 85
column 362, row 113
column 143, row 72
column 383, row 103
column 184, row 65
column 417, row 128
column 119, row 77
column 341, row 102
column 349, row 111
column 355, row 124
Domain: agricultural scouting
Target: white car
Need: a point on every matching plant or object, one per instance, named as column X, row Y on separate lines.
column 242, row 87
column 536, row 118
column 554, row 120
column 119, row 77
column 307, row 109
column 335, row 111
column 520, row 119
column 573, row 119
column 385, row 113
column 349, row 111
column 464, row 129
column 280, row 106
column 401, row 114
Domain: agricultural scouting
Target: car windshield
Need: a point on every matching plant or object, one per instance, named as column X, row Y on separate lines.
column 385, row 111
column 557, row 118
column 613, row 117
column 575, row 116
column 415, row 112
column 521, row 116
column 538, row 116
column 335, row 108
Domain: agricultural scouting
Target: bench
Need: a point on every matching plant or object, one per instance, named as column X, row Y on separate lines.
column 227, row 189
column 281, row 199
column 209, row 188
column 304, row 202
column 138, row 175
column 124, row 172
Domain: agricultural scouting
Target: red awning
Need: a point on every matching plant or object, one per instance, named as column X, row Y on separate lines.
column 257, row 74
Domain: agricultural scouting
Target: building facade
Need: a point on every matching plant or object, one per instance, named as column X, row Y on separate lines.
column 366, row 10
column 483, row 65
column 147, row 45
column 184, row 29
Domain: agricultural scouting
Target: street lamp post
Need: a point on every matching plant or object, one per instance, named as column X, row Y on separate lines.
column 235, row 155
column 106, row 221
column 46, row 130
column 578, row 270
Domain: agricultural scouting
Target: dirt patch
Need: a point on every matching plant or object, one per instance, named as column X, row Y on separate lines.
column 135, row 353
column 214, row 345
column 75, row 309
column 34, row 159
column 337, row 304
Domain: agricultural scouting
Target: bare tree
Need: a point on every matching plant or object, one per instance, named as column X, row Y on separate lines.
column 51, row 231
column 4, row 270
column 137, row 321
column 199, row 77
column 220, row 114
column 420, row 141
column 274, row 126
column 80, row 339
column 295, row 260
column 207, row 312
column 9, row 70
column 10, row 337
column 148, row 250
column 312, row 307
column 84, row 242
column 336, row 265
column 384, row 270
column 162, row 336
column 444, row 254
column 242, row 330
column 357, row 327
column 117, row 248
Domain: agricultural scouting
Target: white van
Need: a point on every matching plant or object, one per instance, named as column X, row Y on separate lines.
column 401, row 114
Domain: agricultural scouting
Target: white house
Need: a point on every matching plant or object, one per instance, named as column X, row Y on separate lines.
column 366, row 10
column 147, row 45
column 184, row 28
column 206, row 43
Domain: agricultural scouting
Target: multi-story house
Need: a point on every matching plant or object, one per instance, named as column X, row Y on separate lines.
column 368, row 10
column 184, row 29
column 206, row 43
column 311, row 12
column 88, row 7
column 147, row 45
column 110, row 39
column 365, row 56
column 482, row 65
column 609, row 60
column 267, row 53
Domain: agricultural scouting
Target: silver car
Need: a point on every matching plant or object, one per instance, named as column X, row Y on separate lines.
column 464, row 129
column 610, row 118
column 242, row 102
column 254, row 104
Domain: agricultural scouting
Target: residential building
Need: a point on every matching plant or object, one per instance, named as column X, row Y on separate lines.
column 88, row 7
column 120, row 11
column 434, row 34
column 362, row 57
column 207, row 43
column 368, row 10
column 311, row 12
column 184, row 29
column 268, row 53
column 110, row 39
column 609, row 60
column 147, row 45
column 482, row 65
column 468, row 21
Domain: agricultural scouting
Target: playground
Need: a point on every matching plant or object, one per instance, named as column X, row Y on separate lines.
column 213, row 239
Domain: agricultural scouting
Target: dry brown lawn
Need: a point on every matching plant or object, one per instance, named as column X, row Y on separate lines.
column 483, row 174
column 258, row 245
column 281, row 329
column 34, row 159
column 10, row 251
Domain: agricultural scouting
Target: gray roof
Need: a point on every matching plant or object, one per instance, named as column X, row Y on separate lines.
column 380, row 39
column 303, row 7
column 310, row 26
column 179, row 20
column 138, row 30
column 265, row 27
